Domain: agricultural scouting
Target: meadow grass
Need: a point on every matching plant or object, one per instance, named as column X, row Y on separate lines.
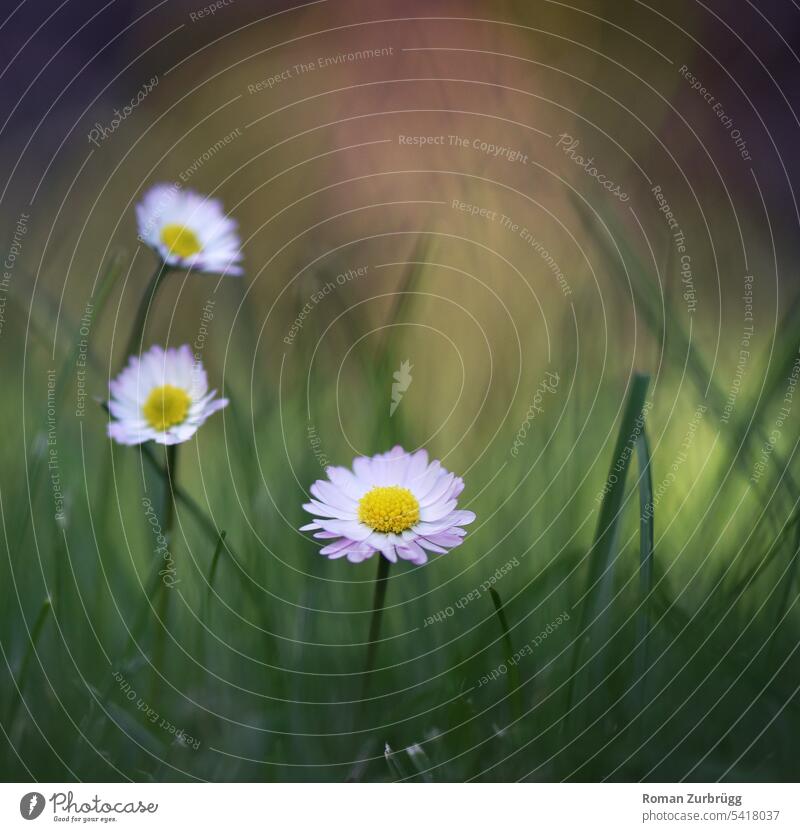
column 639, row 633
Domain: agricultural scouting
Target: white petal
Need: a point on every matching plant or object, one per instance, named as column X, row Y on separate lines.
column 328, row 493
column 347, row 528
column 430, row 514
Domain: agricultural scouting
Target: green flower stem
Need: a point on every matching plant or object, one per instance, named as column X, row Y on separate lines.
column 170, row 471
column 137, row 333
column 168, row 519
column 378, row 600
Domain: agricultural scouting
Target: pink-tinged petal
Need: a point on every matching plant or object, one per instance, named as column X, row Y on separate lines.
column 326, row 536
column 379, row 469
column 328, row 493
column 390, row 468
column 335, row 555
column 357, row 554
column 180, row 433
column 462, row 517
column 412, row 552
column 120, row 433
column 124, row 411
column 332, row 548
column 379, row 540
column 458, row 487
column 345, row 481
column 416, row 465
column 175, row 436
column 431, row 514
column 213, row 407
column 428, row 529
column 321, row 510
column 455, row 489
column 310, row 526
column 422, row 485
column 389, row 553
column 362, row 466
column 346, row 528
column 432, row 547
column 438, row 491
column 447, row 539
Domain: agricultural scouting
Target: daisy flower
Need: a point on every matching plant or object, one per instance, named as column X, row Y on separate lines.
column 162, row 396
column 395, row 503
column 189, row 230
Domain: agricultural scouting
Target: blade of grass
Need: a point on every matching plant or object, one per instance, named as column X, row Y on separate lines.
column 646, row 538
column 774, row 548
column 514, row 690
column 215, row 560
column 788, row 584
column 211, row 574
column 35, row 633
column 678, row 345
column 37, row 463
column 596, row 598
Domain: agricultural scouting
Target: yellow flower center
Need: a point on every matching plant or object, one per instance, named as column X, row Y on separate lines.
column 180, row 240
column 389, row 509
column 166, row 406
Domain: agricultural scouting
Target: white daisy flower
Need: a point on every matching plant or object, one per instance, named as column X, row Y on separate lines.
column 394, row 503
column 162, row 396
column 189, row 230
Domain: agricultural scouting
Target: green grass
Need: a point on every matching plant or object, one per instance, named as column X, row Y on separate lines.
column 677, row 657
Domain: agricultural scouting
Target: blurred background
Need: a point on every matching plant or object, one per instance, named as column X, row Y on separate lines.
column 501, row 194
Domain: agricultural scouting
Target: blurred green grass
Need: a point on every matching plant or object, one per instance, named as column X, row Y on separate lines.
column 263, row 667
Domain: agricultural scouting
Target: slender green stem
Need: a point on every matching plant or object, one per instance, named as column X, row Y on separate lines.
column 214, row 561
column 168, row 519
column 169, row 492
column 137, row 333
column 206, row 609
column 646, row 546
column 378, row 600
column 592, row 637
